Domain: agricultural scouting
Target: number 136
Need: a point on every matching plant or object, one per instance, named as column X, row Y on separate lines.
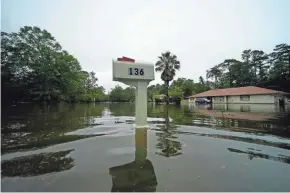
column 136, row 71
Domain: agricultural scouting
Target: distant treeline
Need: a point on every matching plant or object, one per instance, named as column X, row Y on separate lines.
column 256, row 68
column 35, row 68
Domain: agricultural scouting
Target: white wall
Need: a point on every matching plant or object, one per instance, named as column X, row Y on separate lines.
column 254, row 99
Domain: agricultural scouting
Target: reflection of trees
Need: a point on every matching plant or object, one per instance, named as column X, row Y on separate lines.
column 28, row 126
column 252, row 155
column 167, row 142
column 26, row 143
column 122, row 109
column 37, row 164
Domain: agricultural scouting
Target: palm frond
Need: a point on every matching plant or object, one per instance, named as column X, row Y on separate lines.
column 158, row 69
column 177, row 66
column 159, row 64
column 167, row 64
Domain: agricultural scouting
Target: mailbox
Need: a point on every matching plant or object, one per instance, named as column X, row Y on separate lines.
column 137, row 74
column 132, row 70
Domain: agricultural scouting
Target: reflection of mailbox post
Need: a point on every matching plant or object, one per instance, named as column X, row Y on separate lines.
column 136, row 74
column 139, row 175
column 133, row 177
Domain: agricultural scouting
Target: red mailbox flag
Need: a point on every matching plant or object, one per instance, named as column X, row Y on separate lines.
column 125, row 59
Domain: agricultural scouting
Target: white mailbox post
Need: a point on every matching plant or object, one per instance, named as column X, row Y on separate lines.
column 138, row 75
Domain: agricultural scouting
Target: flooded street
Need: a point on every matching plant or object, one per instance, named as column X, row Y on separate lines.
column 94, row 147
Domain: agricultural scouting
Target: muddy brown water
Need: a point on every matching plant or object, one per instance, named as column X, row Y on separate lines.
column 94, row 147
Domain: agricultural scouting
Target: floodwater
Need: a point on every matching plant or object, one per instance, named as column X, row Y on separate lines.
column 94, row 147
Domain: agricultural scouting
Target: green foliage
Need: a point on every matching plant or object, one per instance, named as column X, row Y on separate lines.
column 167, row 64
column 155, row 90
column 118, row 94
column 183, row 87
column 35, row 68
column 214, row 72
column 256, row 68
column 175, row 94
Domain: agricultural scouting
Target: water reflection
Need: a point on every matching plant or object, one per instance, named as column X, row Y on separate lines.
column 254, row 118
column 167, row 141
column 27, row 126
column 252, row 155
column 30, row 126
column 128, row 109
column 138, row 175
column 37, row 164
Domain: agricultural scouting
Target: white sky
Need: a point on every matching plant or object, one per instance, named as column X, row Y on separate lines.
column 202, row 33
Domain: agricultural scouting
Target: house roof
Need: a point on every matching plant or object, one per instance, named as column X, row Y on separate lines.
column 247, row 90
column 162, row 95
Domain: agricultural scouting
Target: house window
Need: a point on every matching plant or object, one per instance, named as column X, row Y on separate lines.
column 219, row 99
column 245, row 97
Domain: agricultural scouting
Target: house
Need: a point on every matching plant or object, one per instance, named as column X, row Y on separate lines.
column 243, row 95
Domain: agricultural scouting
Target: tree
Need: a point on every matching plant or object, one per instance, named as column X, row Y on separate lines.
column 167, row 64
column 279, row 70
column 215, row 73
column 256, row 68
column 227, row 70
column 183, row 85
column 129, row 94
column 118, row 94
column 258, row 63
column 201, row 81
column 246, row 56
column 153, row 90
column 35, row 68
column 280, row 61
column 32, row 52
column 187, row 87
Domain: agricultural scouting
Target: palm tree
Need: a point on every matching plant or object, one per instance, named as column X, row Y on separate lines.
column 214, row 72
column 167, row 64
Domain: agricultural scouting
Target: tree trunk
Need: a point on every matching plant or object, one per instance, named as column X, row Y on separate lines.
column 167, row 95
column 289, row 67
column 230, row 81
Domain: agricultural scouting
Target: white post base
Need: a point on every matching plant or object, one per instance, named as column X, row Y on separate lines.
column 140, row 101
column 141, row 126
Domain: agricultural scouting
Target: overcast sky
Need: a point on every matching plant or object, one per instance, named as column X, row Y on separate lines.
column 202, row 33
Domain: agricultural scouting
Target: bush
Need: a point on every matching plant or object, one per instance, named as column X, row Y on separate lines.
column 175, row 94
